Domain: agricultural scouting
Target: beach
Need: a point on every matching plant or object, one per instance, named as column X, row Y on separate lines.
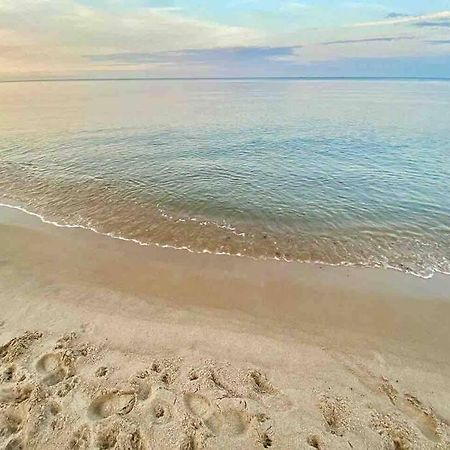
column 105, row 343
column 224, row 225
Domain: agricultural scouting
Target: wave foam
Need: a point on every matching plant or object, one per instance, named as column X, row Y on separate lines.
column 190, row 250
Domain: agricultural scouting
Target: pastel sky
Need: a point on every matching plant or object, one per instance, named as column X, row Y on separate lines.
column 209, row 38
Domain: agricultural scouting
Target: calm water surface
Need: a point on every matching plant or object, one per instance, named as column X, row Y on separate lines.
column 343, row 172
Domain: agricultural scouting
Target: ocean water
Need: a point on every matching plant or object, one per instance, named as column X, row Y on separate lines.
column 352, row 172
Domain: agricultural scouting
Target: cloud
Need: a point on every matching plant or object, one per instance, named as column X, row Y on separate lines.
column 53, row 36
column 440, row 42
column 367, row 40
column 429, row 18
column 429, row 66
column 395, row 15
column 277, row 60
column 114, row 37
column 210, row 56
column 72, row 24
column 284, row 61
column 370, row 47
column 437, row 24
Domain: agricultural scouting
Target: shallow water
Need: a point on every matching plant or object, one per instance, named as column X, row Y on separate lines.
column 338, row 171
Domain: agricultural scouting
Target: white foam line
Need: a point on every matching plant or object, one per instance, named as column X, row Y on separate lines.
column 206, row 251
column 201, row 222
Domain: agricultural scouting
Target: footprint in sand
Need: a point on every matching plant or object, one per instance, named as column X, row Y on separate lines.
column 265, row 440
column 119, row 403
column 142, row 388
column 260, row 383
column 226, row 421
column 15, row 444
column 66, row 340
column 396, row 433
column 423, row 417
column 229, row 422
column 119, row 436
column 10, row 422
column 335, row 413
column 101, row 372
column 188, row 443
column 81, row 439
column 17, row 346
column 15, row 394
column 198, row 405
column 65, row 387
column 168, row 370
column 314, row 441
column 194, row 434
column 161, row 412
column 53, row 412
column 52, row 368
column 10, row 374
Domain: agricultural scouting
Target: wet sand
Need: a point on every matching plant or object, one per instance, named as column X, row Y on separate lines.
column 107, row 344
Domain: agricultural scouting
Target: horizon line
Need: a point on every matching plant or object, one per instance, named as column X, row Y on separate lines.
column 33, row 80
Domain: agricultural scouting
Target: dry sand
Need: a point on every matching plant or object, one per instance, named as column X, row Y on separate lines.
column 105, row 344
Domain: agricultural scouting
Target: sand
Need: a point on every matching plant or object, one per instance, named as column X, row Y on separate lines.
column 106, row 344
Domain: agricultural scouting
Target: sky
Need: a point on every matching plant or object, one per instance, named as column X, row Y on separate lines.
column 223, row 38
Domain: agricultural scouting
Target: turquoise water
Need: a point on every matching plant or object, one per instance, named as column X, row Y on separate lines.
column 337, row 171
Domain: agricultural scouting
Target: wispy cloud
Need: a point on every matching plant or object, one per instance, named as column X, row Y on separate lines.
column 395, row 15
column 234, row 55
column 72, row 24
column 430, row 18
column 367, row 40
column 440, row 42
column 52, row 36
column 435, row 24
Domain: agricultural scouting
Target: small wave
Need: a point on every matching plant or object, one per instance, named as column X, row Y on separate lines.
column 220, row 253
column 199, row 221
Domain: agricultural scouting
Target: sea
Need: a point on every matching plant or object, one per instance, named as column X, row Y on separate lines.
column 352, row 172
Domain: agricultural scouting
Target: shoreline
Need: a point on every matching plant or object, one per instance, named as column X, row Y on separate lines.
column 113, row 345
column 205, row 251
column 226, row 282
